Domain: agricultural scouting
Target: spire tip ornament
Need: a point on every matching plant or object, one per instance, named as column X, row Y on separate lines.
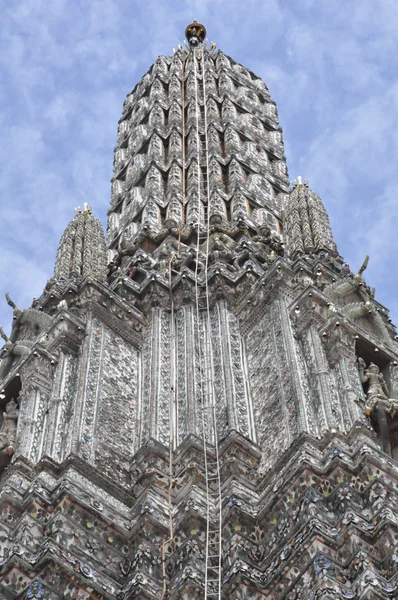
column 86, row 210
column 299, row 182
column 195, row 34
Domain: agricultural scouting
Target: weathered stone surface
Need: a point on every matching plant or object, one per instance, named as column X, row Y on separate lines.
column 205, row 421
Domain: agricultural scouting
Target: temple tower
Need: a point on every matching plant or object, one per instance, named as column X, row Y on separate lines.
column 203, row 405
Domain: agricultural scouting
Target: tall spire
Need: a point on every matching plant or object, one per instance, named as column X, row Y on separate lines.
column 199, row 140
column 306, row 223
column 82, row 251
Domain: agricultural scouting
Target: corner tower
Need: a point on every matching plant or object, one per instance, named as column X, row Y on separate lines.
column 215, row 416
column 81, row 251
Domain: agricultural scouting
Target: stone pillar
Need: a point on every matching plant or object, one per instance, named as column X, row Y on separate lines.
column 291, row 379
column 242, row 402
column 62, row 407
column 37, row 380
column 393, row 370
column 380, row 416
column 187, row 417
column 308, row 368
column 320, row 379
column 226, row 367
column 54, row 406
column 88, row 390
column 341, row 355
column 156, row 393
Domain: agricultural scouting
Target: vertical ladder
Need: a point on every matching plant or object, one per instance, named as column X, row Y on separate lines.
column 213, row 576
column 213, row 564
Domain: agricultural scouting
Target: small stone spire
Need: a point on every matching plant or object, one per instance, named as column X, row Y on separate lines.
column 82, row 250
column 306, row 223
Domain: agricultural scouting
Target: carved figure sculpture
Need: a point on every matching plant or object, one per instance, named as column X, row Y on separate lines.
column 6, row 451
column 377, row 390
column 163, row 261
column 8, row 432
column 378, row 404
column 263, row 245
column 140, row 264
column 242, row 255
column 358, row 279
column 220, row 251
column 188, row 259
column 346, row 269
column 16, row 310
column 10, row 350
column 10, row 419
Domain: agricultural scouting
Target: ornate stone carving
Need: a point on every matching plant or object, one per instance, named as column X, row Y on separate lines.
column 306, row 223
column 377, row 390
column 8, row 432
column 81, row 252
column 164, row 183
column 205, row 330
column 10, row 419
column 378, row 403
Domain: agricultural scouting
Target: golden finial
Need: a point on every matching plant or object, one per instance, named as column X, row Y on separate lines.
column 87, row 210
column 195, row 34
column 299, row 182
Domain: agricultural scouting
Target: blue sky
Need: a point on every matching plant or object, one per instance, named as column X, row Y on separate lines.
column 66, row 66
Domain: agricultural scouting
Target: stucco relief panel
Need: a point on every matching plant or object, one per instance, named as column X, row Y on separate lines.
column 116, row 416
column 267, row 393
